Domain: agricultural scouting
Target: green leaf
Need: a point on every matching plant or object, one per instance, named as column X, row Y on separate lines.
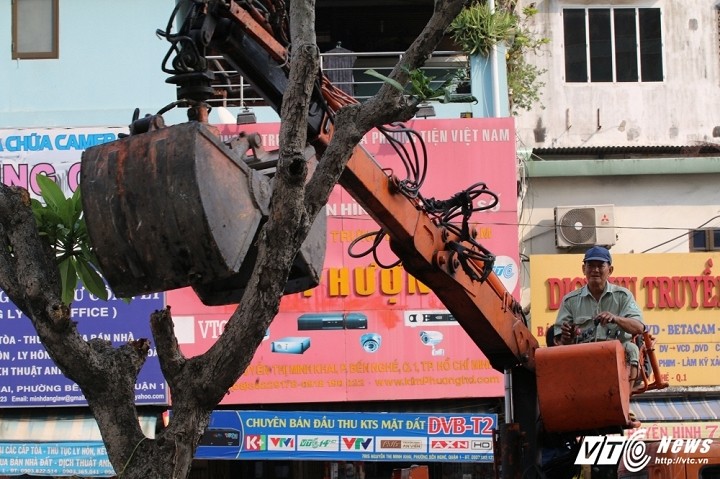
column 62, row 226
column 476, row 30
column 51, row 193
column 76, row 203
column 55, row 199
column 393, row 83
column 91, row 279
column 68, row 279
column 37, row 209
column 87, row 254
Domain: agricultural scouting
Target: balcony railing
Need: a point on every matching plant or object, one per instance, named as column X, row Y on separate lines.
column 347, row 71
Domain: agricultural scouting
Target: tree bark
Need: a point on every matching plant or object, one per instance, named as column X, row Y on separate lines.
column 107, row 375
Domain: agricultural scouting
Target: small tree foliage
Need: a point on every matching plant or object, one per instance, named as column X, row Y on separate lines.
column 478, row 29
column 62, row 226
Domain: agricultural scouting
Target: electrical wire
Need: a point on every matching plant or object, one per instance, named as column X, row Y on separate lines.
column 178, row 40
column 378, row 235
column 679, row 236
column 414, row 160
column 475, row 260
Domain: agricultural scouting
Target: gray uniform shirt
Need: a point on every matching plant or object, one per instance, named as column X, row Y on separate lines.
column 580, row 307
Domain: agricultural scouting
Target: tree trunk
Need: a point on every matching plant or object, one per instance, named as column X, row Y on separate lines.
column 107, row 375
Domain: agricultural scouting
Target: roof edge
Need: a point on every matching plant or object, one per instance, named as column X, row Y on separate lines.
column 646, row 166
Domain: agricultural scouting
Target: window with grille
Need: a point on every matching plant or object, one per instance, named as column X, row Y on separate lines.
column 35, row 29
column 613, row 45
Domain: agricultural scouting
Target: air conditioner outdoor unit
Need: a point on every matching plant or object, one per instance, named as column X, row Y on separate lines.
column 577, row 226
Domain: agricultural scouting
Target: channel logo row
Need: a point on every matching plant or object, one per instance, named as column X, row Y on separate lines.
column 269, row 442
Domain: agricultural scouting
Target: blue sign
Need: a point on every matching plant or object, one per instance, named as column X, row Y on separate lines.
column 31, row 379
column 55, row 459
column 348, row 436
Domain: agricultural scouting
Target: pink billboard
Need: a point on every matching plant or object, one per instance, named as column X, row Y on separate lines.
column 371, row 333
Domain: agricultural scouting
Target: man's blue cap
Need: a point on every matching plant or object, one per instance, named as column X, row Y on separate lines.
column 598, row 253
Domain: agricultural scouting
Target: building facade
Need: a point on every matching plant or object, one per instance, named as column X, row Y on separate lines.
column 626, row 152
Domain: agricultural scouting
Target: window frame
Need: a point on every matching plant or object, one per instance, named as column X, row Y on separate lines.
column 711, row 242
column 641, row 44
column 54, row 51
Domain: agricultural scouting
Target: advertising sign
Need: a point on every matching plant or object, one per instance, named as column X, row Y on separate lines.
column 678, row 293
column 656, row 431
column 348, row 436
column 55, row 152
column 30, row 378
column 85, row 459
column 367, row 332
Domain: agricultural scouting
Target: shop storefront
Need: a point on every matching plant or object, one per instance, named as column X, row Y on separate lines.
column 366, row 335
column 681, row 418
column 678, row 293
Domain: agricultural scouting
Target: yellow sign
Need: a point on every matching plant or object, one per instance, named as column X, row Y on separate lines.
column 678, row 293
column 655, row 431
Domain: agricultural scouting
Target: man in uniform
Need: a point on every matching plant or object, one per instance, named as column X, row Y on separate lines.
column 600, row 310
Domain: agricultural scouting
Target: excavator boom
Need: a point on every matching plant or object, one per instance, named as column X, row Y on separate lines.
column 489, row 314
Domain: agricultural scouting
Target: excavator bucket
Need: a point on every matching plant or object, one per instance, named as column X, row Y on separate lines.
column 176, row 207
column 304, row 275
column 583, row 387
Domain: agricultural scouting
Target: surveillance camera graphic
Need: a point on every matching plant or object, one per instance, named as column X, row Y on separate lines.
column 432, row 339
column 370, row 342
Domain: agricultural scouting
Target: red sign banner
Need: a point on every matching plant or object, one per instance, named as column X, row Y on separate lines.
column 369, row 333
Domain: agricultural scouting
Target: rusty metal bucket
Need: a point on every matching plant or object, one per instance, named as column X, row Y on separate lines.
column 583, row 387
column 305, row 272
column 175, row 207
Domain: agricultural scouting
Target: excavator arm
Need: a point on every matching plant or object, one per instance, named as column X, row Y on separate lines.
column 178, row 170
column 485, row 309
column 248, row 43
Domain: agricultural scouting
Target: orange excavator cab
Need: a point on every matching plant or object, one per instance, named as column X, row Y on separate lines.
column 586, row 387
column 583, row 387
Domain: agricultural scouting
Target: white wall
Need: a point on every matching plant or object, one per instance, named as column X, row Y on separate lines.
column 650, row 210
column 679, row 111
column 109, row 64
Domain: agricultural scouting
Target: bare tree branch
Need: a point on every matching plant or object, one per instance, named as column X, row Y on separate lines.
column 25, row 275
column 287, row 224
column 171, row 358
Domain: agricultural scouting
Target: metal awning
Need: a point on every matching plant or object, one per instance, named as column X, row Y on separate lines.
column 34, row 426
column 39, row 442
column 677, row 409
